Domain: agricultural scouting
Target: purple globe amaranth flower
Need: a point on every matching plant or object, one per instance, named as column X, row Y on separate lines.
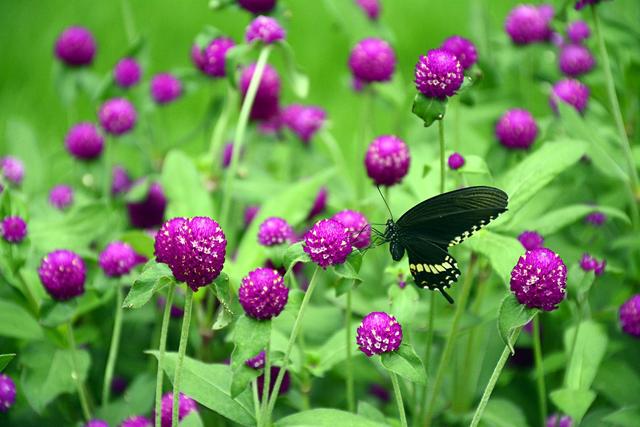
column 117, row 116
column 264, row 29
column 387, row 160
column 76, row 47
column 539, row 279
column 370, row 7
column 13, row 229
column 575, row 60
column 455, row 161
column 596, row 218
column 357, row 225
column 120, row 180
column 117, row 259
column 527, row 24
column 250, row 213
column 531, row 240
column 379, row 333
column 517, row 129
column 588, row 263
column 600, row 267
column 463, row 49
column 581, row 4
column 257, row 362
column 7, row 392
column 578, row 31
column 149, row 212
column 284, row 386
column 548, row 12
column 185, row 407
column 165, row 88
column 12, row 169
column 127, row 72
column 372, row 60
column 257, row 6
column 193, row 248
column 96, row 423
column 84, row 141
column 63, row 273
column 263, row 294
column 137, row 421
column 275, row 231
column 267, row 101
column 327, row 243
column 319, row 203
column 61, row 197
column 304, row 121
column 379, row 391
column 213, row 59
column 571, row 92
column 557, row 420
column 630, row 316
column 438, row 74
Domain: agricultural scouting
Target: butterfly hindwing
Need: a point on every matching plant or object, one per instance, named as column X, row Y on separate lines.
column 430, row 264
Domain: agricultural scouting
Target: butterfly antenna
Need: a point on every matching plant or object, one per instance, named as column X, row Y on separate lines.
column 385, row 201
column 446, row 295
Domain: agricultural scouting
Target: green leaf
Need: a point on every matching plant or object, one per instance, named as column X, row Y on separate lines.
column 589, row 348
column 503, row 251
column 235, row 56
column 624, row 417
column 192, row 420
column 184, row 188
column 139, row 192
column 618, row 382
column 16, row 322
column 224, row 296
column 56, row 313
column 209, row 385
column 299, row 81
column 404, row 303
column 406, row 363
column 351, row 267
column 503, row 413
column 140, row 241
column 511, row 316
column 429, row 109
column 154, row 277
column 5, row 359
column 326, row 418
column 295, row 254
column 558, row 219
column 205, row 36
column 369, row 411
column 250, row 337
column 572, row 402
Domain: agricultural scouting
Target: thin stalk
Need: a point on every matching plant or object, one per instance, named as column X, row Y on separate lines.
column 427, row 353
column 182, row 349
column 129, row 22
column 351, row 399
column 106, row 159
column 217, row 136
column 537, row 352
column 442, row 162
column 84, row 401
column 477, row 416
column 166, row 316
column 113, row 348
column 256, row 401
column 241, row 128
column 398, row 394
column 266, row 385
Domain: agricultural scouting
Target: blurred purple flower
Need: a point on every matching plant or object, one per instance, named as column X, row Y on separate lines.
column 275, row 231
column 75, row 47
column 455, row 161
column 531, row 240
column 319, row 204
column 263, row 294
column 13, row 229
column 148, row 213
column 387, row 160
column 357, row 225
column 517, row 129
column 630, row 316
column 575, row 60
column 463, row 49
column 63, row 274
column 165, row 88
column 12, row 169
column 571, row 92
column 117, row 116
column 372, row 60
column 61, row 196
column 257, row 6
column 84, row 142
column 7, row 392
column 578, row 31
column 267, row 101
column 127, row 72
column 265, row 29
column 304, row 121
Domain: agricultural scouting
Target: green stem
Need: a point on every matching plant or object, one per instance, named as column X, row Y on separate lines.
column 351, row 405
column 427, row 353
column 166, row 316
column 84, row 401
column 537, row 351
column 106, row 184
column 113, row 348
column 493, row 380
column 266, row 385
column 241, row 128
column 398, row 393
column 217, row 136
column 182, row 349
column 256, row 401
column 129, row 23
column 442, row 162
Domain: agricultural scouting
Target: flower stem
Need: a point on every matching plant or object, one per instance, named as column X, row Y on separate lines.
column 241, row 128
column 84, row 401
column 113, row 348
column 398, row 393
column 161, row 349
column 427, row 352
column 442, row 163
column 266, row 385
column 493, row 380
column 217, row 136
column 537, row 351
column 182, row 349
column 256, row 402
column 129, row 22
column 106, row 158
column 351, row 405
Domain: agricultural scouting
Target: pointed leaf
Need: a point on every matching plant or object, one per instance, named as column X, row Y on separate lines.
column 154, row 277
column 5, row 359
column 429, row 109
column 250, row 337
column 573, row 402
column 184, row 188
column 16, row 322
column 406, row 363
column 326, row 418
column 511, row 316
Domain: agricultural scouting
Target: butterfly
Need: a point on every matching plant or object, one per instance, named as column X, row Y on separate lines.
column 426, row 231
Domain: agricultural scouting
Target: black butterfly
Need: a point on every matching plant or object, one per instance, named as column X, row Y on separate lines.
column 427, row 230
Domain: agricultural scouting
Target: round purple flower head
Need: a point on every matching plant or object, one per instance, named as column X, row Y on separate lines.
column 274, row 231
column 117, row 259
column 263, row 294
column 357, row 225
column 372, row 60
column 387, row 160
column 256, row 362
column 257, row 6
column 12, row 169
column 127, row 72
column 527, row 24
column 137, row 421
column 267, row 102
column 630, row 316
column 13, row 229
column 284, row 387
column 186, row 406
column 76, row 47
column 61, row 197
column 117, row 116
column 264, row 29
column 596, row 218
column 588, row 263
column 327, row 243
column 84, row 141
column 149, row 212
column 570, row 92
column 120, row 180
column 7, row 392
column 62, row 274
column 575, row 60
column 319, row 204
column 370, row 7
column 578, row 31
column 531, row 240
column 304, row 121
column 250, row 214
column 581, row 4
column 517, row 129
column 194, row 249
column 455, row 161
column 165, row 88
column 556, row 420
column 539, row 279
column 379, row 333
column 213, row 60
column 463, row 49
column 438, row 74
column 96, row 423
